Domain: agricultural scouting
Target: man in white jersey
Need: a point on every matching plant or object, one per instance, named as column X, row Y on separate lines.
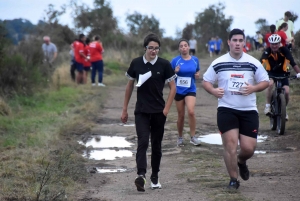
column 238, row 76
column 193, row 46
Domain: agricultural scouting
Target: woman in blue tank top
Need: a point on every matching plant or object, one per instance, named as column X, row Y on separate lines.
column 187, row 69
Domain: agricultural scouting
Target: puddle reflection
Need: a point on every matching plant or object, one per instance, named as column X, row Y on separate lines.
column 215, row 138
column 109, row 170
column 260, row 152
column 107, row 154
column 127, row 125
column 106, row 142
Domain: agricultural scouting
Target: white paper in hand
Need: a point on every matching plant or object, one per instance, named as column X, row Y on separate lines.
column 143, row 78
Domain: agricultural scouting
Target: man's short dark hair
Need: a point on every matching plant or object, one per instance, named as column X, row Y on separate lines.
column 151, row 37
column 272, row 28
column 97, row 37
column 236, row 32
column 288, row 14
column 87, row 41
column 81, row 36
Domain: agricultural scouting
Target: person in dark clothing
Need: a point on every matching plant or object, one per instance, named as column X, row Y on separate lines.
column 151, row 73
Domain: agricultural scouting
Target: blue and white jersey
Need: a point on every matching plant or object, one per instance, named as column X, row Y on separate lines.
column 185, row 81
column 231, row 75
column 212, row 45
column 218, row 44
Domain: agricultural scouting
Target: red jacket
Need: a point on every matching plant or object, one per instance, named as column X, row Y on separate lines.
column 96, row 50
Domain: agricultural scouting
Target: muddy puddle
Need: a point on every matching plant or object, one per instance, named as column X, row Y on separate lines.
column 111, row 169
column 107, row 154
column 215, row 138
column 106, row 142
column 106, row 148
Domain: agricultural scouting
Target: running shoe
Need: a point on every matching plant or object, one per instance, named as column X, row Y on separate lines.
column 244, row 172
column 195, row 141
column 101, row 85
column 140, row 182
column 155, row 184
column 93, row 84
column 180, row 142
column 267, row 110
column 233, row 184
column 286, row 117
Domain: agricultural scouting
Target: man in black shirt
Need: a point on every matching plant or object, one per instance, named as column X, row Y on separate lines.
column 151, row 72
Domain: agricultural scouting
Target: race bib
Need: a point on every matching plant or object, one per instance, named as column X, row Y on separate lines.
column 184, row 81
column 235, row 83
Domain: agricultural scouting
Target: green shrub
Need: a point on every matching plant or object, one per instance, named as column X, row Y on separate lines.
column 21, row 70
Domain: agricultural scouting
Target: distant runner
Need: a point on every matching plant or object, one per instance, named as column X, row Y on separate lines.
column 187, row 69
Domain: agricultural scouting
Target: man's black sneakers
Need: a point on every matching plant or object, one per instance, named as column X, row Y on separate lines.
column 244, row 172
column 140, row 183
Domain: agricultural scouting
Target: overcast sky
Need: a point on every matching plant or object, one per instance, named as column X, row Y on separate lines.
column 172, row 14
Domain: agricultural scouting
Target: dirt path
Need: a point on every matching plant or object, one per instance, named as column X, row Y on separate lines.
column 193, row 173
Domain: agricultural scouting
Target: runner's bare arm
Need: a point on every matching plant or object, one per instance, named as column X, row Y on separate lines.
column 197, row 75
column 128, row 92
column 217, row 92
column 171, row 96
column 249, row 89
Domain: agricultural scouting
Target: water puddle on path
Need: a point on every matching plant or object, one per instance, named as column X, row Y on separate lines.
column 107, row 154
column 260, row 152
column 106, row 142
column 215, row 138
column 127, row 125
column 110, row 169
column 102, row 148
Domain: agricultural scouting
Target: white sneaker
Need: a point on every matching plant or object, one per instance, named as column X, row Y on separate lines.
column 286, row 117
column 195, row 141
column 153, row 185
column 180, row 142
column 93, row 84
column 101, row 85
column 267, row 110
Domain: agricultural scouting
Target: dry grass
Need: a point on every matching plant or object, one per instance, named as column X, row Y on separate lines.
column 4, row 108
column 47, row 161
column 122, row 56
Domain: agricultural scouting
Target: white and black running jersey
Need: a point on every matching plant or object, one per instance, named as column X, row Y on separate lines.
column 231, row 74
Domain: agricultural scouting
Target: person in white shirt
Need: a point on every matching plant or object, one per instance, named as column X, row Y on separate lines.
column 238, row 76
column 193, row 46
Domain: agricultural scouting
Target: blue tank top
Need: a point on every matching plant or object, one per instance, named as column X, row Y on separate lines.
column 185, row 81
